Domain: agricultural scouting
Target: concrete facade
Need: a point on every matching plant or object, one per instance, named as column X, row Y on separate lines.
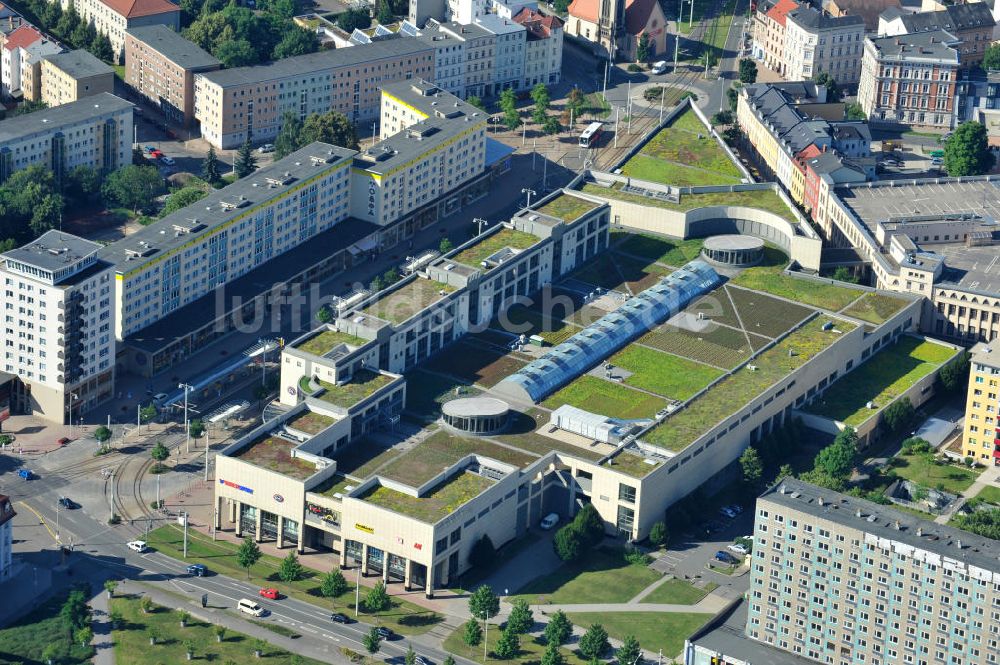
column 68, row 77
column 981, row 433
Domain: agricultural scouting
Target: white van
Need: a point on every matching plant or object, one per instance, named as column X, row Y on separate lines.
column 549, row 521
column 660, row 67
column 250, row 607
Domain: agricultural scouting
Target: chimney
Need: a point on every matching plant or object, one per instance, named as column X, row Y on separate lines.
column 958, row 544
column 857, row 513
column 820, row 500
column 782, row 488
column 920, row 531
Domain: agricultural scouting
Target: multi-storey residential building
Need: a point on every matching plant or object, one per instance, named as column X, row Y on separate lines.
column 837, row 579
column 115, row 17
column 449, row 57
column 480, row 55
column 95, row 131
column 972, row 24
column 768, row 28
column 160, row 65
column 67, row 77
column 6, row 529
column 10, row 21
column 248, row 103
column 981, row 436
column 910, row 80
column 816, row 42
column 20, row 60
column 543, row 49
column 508, row 68
column 431, row 143
column 58, row 317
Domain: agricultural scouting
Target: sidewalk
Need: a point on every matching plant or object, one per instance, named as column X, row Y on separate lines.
column 104, row 648
column 710, row 604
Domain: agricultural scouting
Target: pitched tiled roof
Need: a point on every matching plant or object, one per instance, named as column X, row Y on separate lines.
column 584, row 9
column 780, row 10
column 537, row 24
column 24, row 36
column 637, row 15
column 137, row 8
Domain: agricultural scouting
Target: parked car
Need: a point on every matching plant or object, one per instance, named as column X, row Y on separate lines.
column 169, row 161
column 726, row 557
column 149, row 149
column 726, row 511
column 249, row 607
column 63, row 440
column 269, row 593
column 197, row 569
column 267, row 147
column 549, row 521
column 937, row 161
column 659, row 67
column 736, row 508
column 420, row 660
column 155, row 154
column 68, row 503
column 136, row 545
column 337, row 617
column 739, row 549
column 159, row 397
column 385, row 633
column 26, row 474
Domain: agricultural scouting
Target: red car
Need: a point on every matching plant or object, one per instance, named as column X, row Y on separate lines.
column 63, row 441
column 271, row 594
column 156, row 154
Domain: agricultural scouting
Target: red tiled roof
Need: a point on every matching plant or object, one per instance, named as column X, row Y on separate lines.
column 780, row 10
column 137, row 8
column 584, row 9
column 23, row 37
column 538, row 24
column 637, row 15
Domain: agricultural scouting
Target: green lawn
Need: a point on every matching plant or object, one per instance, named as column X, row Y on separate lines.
column 567, row 207
column 442, row 449
column 441, row 501
column 363, row 384
column 654, row 630
column 875, row 308
column 404, row 302
column 606, row 398
column 831, row 296
column 220, row 557
column 426, row 391
column 989, row 494
column 26, row 640
column 132, row 645
column 325, row 341
column 603, row 576
column 664, row 373
column 882, row 379
column 656, row 169
column 530, row 653
column 477, row 253
column 764, row 199
column 676, row 592
column 671, row 251
column 921, row 468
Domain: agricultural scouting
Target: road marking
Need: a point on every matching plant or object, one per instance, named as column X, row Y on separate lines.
column 42, row 520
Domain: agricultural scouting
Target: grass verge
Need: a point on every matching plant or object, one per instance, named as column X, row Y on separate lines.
column 654, row 630
column 602, row 577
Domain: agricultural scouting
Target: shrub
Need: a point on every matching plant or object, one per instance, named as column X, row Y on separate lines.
column 634, row 68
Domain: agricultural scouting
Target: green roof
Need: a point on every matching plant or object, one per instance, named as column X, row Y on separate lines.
column 881, row 379
column 310, row 422
column 275, row 454
column 761, row 199
column 363, row 384
column 567, row 207
column 829, row 295
column 335, row 484
column 403, row 303
column 475, row 254
column 630, row 464
column 875, row 308
column 322, row 343
column 727, row 397
column 443, row 500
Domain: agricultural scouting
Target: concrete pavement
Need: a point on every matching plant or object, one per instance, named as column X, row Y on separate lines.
column 104, row 650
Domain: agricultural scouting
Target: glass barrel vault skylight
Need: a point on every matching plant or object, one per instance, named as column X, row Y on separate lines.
column 539, row 378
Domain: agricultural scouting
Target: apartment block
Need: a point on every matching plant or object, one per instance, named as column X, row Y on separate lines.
column 816, row 42
column 449, row 57
column 95, row 131
column 161, row 65
column 114, row 18
column 10, row 20
column 247, row 103
column 910, row 80
column 981, row 438
column 20, row 62
column 480, row 55
column 972, row 24
column 68, row 77
column 837, row 579
column 58, row 336
column 508, row 68
column 431, row 143
column 543, row 48
column 768, row 28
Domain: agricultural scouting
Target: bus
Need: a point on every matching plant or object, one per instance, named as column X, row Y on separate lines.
column 591, row 135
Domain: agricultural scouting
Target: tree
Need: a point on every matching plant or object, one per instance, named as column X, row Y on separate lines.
column 833, row 92
column 473, row 100
column 521, row 617
column 410, row 658
column 445, row 246
column 354, row 19
column 295, row 42
column 220, row 633
column 147, row 413
column 984, row 522
column 324, row 314
column 246, row 163
column 102, row 49
column 854, row 111
column 551, row 125
column 102, row 434
column 508, row 104
column 189, row 649
column 658, row 534
column 568, row 543
column 258, row 647
column 377, row 599
column 953, row 376
column 329, row 127
column 74, row 611
column 210, row 168
column 898, row 415
column 372, row 641
column 836, row 460
column 991, row 58
column 196, row 428
column 110, row 586
column 552, row 655
column 83, row 34
column 138, row 157
column 558, row 629
column 83, row 181
column 643, row 49
column 235, row 53
column 289, row 136
column 594, row 642
column 785, row 471
column 68, row 22
column 561, row 6
column 722, row 118
column 247, row 554
column 748, row 71
column 146, row 604
column 133, row 186
column 540, row 95
column 333, row 584
column 591, row 524
column 843, row 274
column 472, row 633
column 153, row 634
column 184, row 618
column 574, row 103
column 967, row 152
column 51, row 651
column 483, row 553
column 290, row 569
column 483, row 603
column 385, row 16
column 752, row 467
column 46, row 214
column 182, row 198
column 449, row 660
column 733, row 95
column 159, row 453
column 628, row 653
column 507, row 646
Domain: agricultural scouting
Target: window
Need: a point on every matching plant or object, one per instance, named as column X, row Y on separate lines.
column 626, row 493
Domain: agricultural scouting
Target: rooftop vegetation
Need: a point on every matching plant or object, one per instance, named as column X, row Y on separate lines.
column 324, row 342
column 475, row 254
column 363, row 384
column 275, row 454
column 875, row 308
column 310, row 422
column 764, row 199
column 406, row 301
column 444, row 499
column 567, row 207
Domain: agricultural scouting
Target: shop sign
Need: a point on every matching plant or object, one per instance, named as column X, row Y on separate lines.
column 235, row 486
column 418, row 546
column 365, row 528
column 279, row 498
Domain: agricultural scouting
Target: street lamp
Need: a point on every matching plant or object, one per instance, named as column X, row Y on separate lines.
column 529, row 192
column 72, row 398
column 480, row 223
column 187, row 431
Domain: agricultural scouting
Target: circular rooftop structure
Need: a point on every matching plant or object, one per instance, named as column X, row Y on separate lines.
column 734, row 251
column 476, row 415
